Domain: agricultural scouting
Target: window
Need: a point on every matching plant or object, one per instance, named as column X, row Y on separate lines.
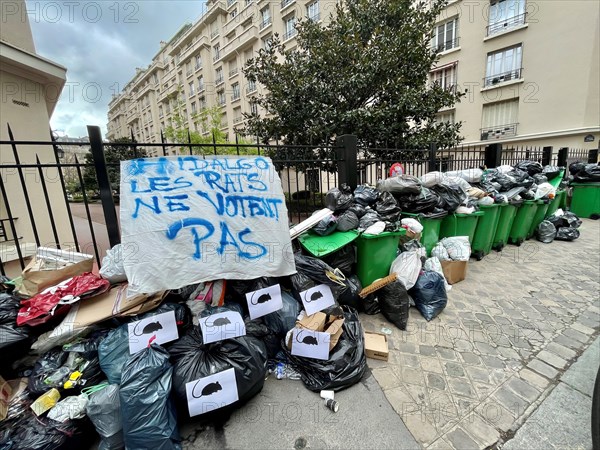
column 445, row 36
column 224, row 121
column 235, row 87
column 445, row 116
column 251, row 87
column 160, row 111
column 200, row 83
column 499, row 120
column 284, row 3
column 265, row 17
column 214, row 29
column 193, row 105
column 192, row 89
column 221, row 97
column 503, row 65
column 289, row 28
column 445, row 76
column 254, row 108
column 188, row 69
column 167, row 108
column 198, row 62
column 155, row 78
column 216, row 51
column 233, row 13
column 233, row 70
column 504, row 15
column 267, row 42
column 202, row 103
column 237, row 115
column 219, row 75
column 312, row 11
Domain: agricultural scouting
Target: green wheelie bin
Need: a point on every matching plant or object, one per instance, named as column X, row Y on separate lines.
column 506, row 216
column 538, row 217
column 562, row 203
column 585, row 201
column 431, row 228
column 555, row 202
column 522, row 222
column 460, row 225
column 485, row 231
column 375, row 254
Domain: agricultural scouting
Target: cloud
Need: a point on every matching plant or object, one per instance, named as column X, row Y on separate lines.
column 101, row 43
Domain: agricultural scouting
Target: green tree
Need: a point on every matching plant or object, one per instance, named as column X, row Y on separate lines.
column 365, row 73
column 115, row 151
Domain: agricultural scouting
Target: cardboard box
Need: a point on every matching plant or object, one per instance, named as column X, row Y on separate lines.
column 454, row 271
column 321, row 322
column 376, row 346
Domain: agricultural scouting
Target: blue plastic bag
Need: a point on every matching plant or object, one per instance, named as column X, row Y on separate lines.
column 113, row 352
column 429, row 294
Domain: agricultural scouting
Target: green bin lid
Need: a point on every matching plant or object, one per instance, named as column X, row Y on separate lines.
column 585, row 184
column 494, row 205
column 474, row 213
column 400, row 232
column 324, row 245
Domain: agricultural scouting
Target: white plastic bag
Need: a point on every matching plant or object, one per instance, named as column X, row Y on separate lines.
column 376, row 228
column 72, row 407
column 504, row 169
column 458, row 247
column 435, row 265
column 465, row 210
column 470, row 175
column 407, row 267
column 485, row 201
column 412, row 224
column 440, row 252
column 431, row 179
column 543, row 190
column 112, row 265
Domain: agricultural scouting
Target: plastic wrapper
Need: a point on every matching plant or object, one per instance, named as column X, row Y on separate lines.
column 407, row 267
column 348, row 295
column 387, row 207
column 72, row 407
column 528, row 195
column 113, row 352
column 104, row 410
column 112, row 265
column 424, row 202
column 440, row 252
column 457, row 247
column 431, row 179
column 192, row 360
column 429, row 294
column 522, row 178
column 531, row 167
column 589, row 173
column 394, row 303
column 545, row 232
column 148, row 414
column 400, row 185
column 339, row 199
column 485, row 201
column 46, row 365
column 370, row 305
column 369, row 218
column 567, row 234
column 326, row 226
column 347, row 362
column 15, row 341
column 544, row 190
column 412, row 225
column 283, row 320
column 451, row 196
column 347, row 221
column 365, row 195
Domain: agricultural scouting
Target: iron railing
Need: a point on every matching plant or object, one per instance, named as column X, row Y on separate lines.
column 498, row 131
column 504, row 25
column 491, row 80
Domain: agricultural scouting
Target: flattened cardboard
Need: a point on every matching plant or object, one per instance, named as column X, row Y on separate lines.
column 319, row 322
column 316, row 322
column 376, row 346
column 454, row 271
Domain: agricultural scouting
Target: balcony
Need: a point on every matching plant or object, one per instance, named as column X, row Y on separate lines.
column 286, row 3
column 265, row 23
column 289, row 34
column 233, row 72
column 492, row 80
column 216, row 56
column 499, row 132
column 505, row 25
column 219, row 80
column 446, row 45
column 246, row 39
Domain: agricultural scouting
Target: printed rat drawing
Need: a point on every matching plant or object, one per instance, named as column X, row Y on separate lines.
column 220, row 322
column 207, row 390
column 310, row 340
column 150, row 328
column 261, row 299
column 314, row 296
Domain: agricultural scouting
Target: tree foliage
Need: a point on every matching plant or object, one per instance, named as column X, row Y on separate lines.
column 365, row 73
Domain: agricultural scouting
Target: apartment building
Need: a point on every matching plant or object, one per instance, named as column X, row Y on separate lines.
column 202, row 67
column 530, row 71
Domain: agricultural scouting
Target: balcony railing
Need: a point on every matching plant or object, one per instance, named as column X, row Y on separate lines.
column 315, row 17
column 214, row 34
column 219, row 80
column 221, row 101
column 290, row 34
column 198, row 67
column 237, row 119
column 216, row 56
column 250, row 88
column 235, row 96
column 446, row 45
column 265, row 23
column 503, row 77
column 188, row 73
column 233, row 72
column 285, row 3
column 200, row 87
column 507, row 24
column 230, row 2
column 499, row 131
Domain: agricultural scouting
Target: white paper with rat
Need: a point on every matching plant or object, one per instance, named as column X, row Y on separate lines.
column 264, row 301
column 211, row 392
column 160, row 328
column 317, row 299
column 220, row 326
column 310, row 344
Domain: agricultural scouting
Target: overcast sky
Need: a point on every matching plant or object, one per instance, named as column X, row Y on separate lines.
column 101, row 43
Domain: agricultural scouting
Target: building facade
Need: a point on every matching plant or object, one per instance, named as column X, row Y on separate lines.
column 529, row 70
column 201, row 67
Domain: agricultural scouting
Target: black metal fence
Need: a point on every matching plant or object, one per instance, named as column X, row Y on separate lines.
column 45, row 200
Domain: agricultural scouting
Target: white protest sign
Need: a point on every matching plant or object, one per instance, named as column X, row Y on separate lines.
column 190, row 219
column 310, row 344
column 160, row 329
column 264, row 301
column 317, row 299
column 225, row 325
column 211, row 392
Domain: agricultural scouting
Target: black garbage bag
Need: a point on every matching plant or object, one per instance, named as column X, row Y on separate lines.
column 568, row 220
column 15, row 341
column 522, row 178
column 358, row 209
column 539, row 178
column 342, row 259
column 528, row 195
column 429, row 294
column 348, row 295
column 567, row 234
column 104, row 410
column 183, row 315
column 589, row 173
column 489, row 187
column 368, row 219
column 425, row 201
column 347, row 221
column 192, row 360
column 113, row 352
column 370, row 305
column 545, row 232
column 575, row 167
column 326, row 226
column 531, row 167
column 339, row 199
column 258, row 330
column 283, row 320
column 365, row 195
column 9, row 308
column 394, row 303
column 46, row 365
column 402, row 184
column 450, row 194
column 505, row 182
column 551, row 172
column 147, row 410
column 347, row 362
column 387, row 207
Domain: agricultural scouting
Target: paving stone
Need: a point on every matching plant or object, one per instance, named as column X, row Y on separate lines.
column 470, row 358
column 447, row 353
column 436, row 381
column 462, row 387
column 511, row 401
column 401, row 400
column 582, row 328
column 509, row 353
column 454, row 370
column 463, row 346
column 410, row 360
column 386, row 378
column 543, row 368
column 480, row 430
column 426, row 350
column 496, row 415
column 560, row 350
column 422, row 430
column 431, row 365
column 492, row 361
column 524, row 389
column 440, row 444
column 411, row 376
column 461, row 440
column 534, row 379
column 577, row 335
column 552, row 359
column 478, row 374
column 485, row 348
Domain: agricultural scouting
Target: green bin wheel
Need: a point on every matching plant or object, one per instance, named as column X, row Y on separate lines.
column 595, row 216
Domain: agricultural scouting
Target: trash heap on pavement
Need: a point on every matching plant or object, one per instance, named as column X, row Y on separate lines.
column 88, row 352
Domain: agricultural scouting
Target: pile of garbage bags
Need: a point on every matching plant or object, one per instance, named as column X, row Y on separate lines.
column 584, row 173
